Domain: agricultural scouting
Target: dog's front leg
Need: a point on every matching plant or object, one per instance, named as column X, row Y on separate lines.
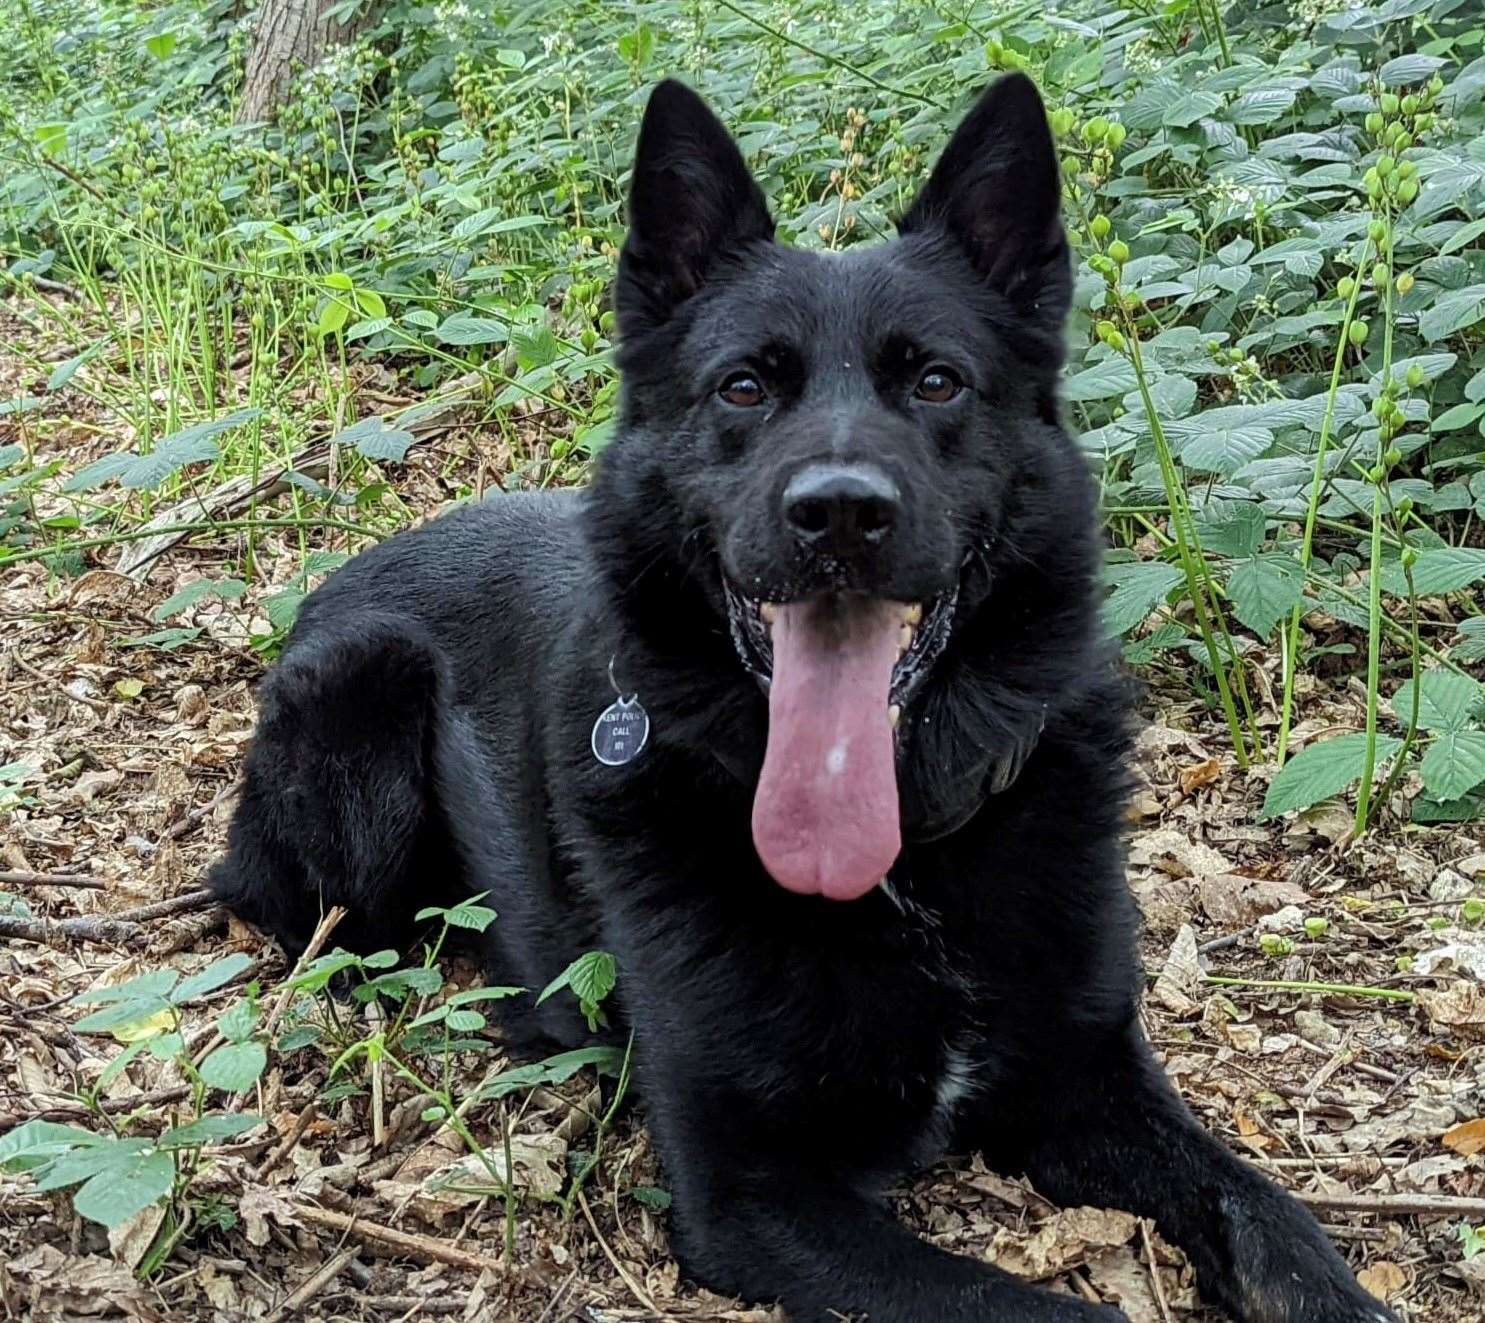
column 1103, row 1126
column 826, row 1253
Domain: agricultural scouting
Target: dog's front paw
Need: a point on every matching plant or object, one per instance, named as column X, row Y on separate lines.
column 1278, row 1296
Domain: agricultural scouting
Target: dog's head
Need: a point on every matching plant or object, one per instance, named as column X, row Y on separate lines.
column 830, row 440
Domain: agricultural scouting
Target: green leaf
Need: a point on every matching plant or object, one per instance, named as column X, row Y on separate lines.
column 1453, row 311
column 161, row 45
column 208, row 1130
column 462, row 329
column 1219, row 450
column 1321, row 771
column 114, row 1196
column 1264, row 591
column 652, row 1197
column 235, row 1067
column 1411, row 68
column 237, row 1022
column 1455, row 763
column 1139, row 587
column 1448, row 569
column 468, row 915
column 142, row 987
column 591, row 977
column 465, row 1021
column 214, row 976
column 196, row 591
column 483, row 994
column 1105, row 379
column 554, row 1070
column 1445, row 701
column 283, row 607
column 42, row 1139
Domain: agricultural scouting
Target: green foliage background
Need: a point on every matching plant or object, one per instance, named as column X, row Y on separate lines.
column 1277, row 366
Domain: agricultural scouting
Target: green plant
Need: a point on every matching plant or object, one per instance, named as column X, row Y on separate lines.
column 116, row 1173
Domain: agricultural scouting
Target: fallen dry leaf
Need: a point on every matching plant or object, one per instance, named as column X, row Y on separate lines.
column 1062, row 1242
column 1203, row 774
column 1232, row 899
column 1181, row 975
column 1459, row 1008
column 1468, row 1138
column 1384, row 1279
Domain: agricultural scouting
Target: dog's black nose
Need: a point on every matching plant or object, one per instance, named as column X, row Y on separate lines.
column 841, row 508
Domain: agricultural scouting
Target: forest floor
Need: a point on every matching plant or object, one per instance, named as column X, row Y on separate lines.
column 1368, row 1106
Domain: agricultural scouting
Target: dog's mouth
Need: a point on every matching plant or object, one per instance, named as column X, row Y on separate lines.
column 838, row 668
column 922, row 634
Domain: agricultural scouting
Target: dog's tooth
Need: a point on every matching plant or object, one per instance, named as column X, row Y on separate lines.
column 894, row 714
column 904, row 638
column 914, row 614
column 768, row 612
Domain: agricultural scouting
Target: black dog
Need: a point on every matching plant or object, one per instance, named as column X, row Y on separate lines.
column 852, row 831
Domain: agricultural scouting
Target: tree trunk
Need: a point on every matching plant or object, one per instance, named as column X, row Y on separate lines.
column 289, row 35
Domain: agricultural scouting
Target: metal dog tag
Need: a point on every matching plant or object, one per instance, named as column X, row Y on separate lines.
column 620, row 732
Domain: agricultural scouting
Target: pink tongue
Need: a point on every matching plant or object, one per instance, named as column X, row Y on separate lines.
column 825, row 816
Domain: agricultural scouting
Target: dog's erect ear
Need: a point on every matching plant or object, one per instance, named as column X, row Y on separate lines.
column 691, row 201
column 997, row 189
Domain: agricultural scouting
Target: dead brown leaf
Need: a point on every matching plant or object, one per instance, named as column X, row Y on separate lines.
column 1203, row 774
column 1468, row 1138
column 1384, row 1279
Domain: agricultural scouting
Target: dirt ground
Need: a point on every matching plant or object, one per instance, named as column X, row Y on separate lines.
column 1369, row 1107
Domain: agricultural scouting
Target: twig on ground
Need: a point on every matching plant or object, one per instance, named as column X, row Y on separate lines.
column 306, row 1291
column 1155, row 1283
column 418, row 1247
column 97, row 704
column 178, row 829
column 102, row 928
column 80, row 880
column 159, row 909
column 316, row 944
column 635, row 1289
column 302, row 1122
column 1398, row 1205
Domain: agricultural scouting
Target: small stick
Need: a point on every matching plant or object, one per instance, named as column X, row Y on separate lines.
column 81, row 880
column 317, row 940
column 160, row 909
column 307, row 1291
column 180, row 828
column 1155, row 1282
column 1398, row 1205
column 635, row 1289
column 286, row 1146
column 420, row 1304
column 101, row 928
column 419, row 1247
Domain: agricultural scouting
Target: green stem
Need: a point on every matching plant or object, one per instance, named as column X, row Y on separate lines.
column 1374, row 584
column 1337, row 989
column 1291, row 637
column 1185, row 535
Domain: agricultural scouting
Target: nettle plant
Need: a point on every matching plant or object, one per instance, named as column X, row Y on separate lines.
column 1281, row 373
column 118, row 1173
column 362, row 1014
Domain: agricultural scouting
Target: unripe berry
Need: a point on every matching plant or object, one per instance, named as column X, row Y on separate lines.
column 1381, row 274
column 1115, row 136
column 1392, row 458
column 1119, row 251
column 1345, row 287
column 1415, row 375
column 1377, row 230
column 1407, row 191
column 1409, row 557
column 1405, row 282
column 1405, row 507
column 1389, row 101
column 1375, row 123
column 1358, row 333
column 1100, row 225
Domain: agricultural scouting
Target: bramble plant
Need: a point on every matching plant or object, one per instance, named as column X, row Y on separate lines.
column 118, row 1174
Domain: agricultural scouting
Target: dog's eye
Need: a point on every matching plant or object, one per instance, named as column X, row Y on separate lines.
column 742, row 390
column 938, row 386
